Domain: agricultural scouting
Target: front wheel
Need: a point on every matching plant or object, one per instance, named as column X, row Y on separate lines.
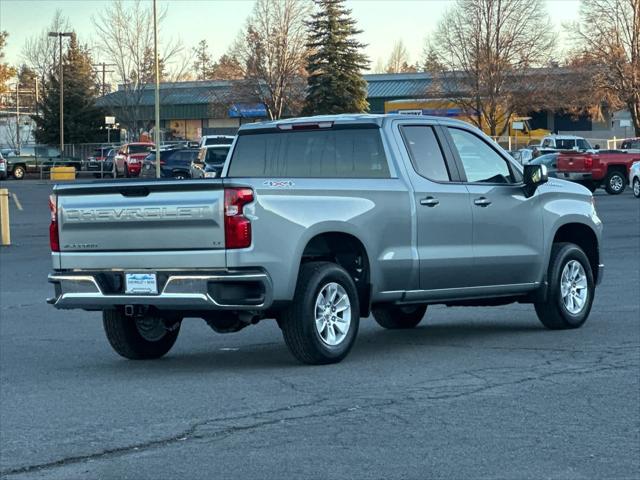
column 636, row 187
column 142, row 338
column 396, row 316
column 571, row 288
column 615, row 182
column 321, row 324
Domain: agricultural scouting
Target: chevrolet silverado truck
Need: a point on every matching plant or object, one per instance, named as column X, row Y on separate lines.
column 608, row 169
column 319, row 222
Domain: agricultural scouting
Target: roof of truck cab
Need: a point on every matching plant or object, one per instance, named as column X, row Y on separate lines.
column 346, row 119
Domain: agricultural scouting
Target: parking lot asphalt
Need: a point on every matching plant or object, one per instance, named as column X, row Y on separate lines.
column 470, row 393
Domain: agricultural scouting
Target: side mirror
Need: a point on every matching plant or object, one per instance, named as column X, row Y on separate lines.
column 534, row 176
column 597, row 147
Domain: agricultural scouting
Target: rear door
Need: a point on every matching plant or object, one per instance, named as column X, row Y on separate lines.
column 444, row 222
column 507, row 226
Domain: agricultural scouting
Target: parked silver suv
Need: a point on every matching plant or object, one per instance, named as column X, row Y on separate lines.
column 318, row 222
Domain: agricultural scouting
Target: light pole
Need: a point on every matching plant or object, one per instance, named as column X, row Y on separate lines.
column 156, row 130
column 61, row 75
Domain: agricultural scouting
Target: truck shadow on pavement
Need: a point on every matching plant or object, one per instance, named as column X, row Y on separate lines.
column 370, row 342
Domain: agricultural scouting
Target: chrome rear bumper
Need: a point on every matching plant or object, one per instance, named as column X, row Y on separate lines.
column 219, row 290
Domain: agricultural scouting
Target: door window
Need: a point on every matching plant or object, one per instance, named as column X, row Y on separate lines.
column 481, row 163
column 425, row 152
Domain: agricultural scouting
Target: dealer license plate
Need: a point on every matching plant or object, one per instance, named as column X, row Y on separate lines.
column 141, row 283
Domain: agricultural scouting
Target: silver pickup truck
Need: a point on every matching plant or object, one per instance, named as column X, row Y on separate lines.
column 317, row 222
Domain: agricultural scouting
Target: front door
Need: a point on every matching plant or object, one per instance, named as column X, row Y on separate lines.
column 443, row 212
column 507, row 226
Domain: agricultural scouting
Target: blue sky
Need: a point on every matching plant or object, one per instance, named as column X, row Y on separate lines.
column 218, row 21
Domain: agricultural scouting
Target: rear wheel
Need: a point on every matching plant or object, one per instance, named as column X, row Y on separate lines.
column 636, row 187
column 321, row 324
column 397, row 317
column 571, row 288
column 180, row 176
column 18, row 172
column 141, row 338
column 592, row 186
column 615, row 182
column 126, row 171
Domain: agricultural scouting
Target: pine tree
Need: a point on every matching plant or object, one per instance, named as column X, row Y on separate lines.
column 202, row 62
column 82, row 119
column 335, row 83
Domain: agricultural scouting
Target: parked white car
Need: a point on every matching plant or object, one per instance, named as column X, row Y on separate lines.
column 565, row 142
column 634, row 178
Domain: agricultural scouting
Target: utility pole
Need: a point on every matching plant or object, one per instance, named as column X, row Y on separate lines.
column 156, row 130
column 103, row 70
column 61, row 78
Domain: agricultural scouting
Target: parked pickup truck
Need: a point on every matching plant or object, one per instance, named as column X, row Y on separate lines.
column 593, row 170
column 320, row 221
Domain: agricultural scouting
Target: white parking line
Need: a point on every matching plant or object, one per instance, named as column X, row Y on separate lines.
column 16, row 201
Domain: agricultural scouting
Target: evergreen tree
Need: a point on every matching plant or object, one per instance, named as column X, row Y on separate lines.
column 335, row 83
column 202, row 62
column 82, row 119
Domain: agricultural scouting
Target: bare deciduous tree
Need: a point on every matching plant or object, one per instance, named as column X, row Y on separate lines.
column 486, row 49
column 272, row 52
column 399, row 59
column 608, row 38
column 40, row 52
column 125, row 38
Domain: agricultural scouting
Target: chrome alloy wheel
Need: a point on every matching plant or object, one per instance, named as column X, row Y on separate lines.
column 332, row 314
column 151, row 329
column 636, row 187
column 573, row 287
column 617, row 183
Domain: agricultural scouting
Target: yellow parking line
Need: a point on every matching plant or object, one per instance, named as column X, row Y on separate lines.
column 16, row 201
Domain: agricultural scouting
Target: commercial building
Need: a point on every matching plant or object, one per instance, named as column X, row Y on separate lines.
column 195, row 108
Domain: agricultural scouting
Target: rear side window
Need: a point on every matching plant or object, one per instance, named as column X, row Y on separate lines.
column 426, row 154
column 334, row 153
column 219, row 141
column 216, row 155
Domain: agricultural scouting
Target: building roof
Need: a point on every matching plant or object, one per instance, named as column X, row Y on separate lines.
column 406, row 85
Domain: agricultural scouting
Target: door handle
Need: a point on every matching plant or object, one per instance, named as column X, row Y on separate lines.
column 429, row 201
column 482, row 202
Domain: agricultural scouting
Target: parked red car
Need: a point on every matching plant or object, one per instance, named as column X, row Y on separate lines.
column 130, row 157
column 602, row 169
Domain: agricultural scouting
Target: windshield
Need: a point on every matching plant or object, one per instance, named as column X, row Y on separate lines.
column 216, row 155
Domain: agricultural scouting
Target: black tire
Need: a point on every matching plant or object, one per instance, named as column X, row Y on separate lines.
column 591, row 186
column 126, row 171
column 615, row 182
column 636, row 187
column 553, row 313
column 18, row 172
column 180, row 176
column 125, row 337
column 398, row 316
column 298, row 320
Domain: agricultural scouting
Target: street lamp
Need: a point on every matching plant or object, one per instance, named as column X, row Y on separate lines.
column 61, row 75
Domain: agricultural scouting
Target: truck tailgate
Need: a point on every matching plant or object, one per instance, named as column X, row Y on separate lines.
column 128, row 224
column 574, row 162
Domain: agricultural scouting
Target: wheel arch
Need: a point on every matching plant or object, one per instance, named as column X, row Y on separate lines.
column 585, row 237
column 348, row 251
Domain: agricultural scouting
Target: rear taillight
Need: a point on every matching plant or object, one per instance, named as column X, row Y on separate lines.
column 54, row 238
column 588, row 162
column 237, row 228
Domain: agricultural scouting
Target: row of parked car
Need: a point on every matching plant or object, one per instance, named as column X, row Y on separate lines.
column 573, row 158
column 187, row 160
